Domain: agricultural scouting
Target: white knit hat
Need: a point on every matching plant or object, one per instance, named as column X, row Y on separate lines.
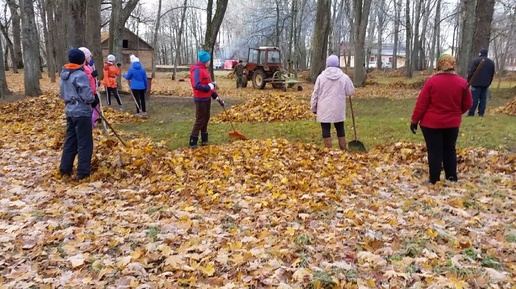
column 135, row 59
column 86, row 51
column 110, row 57
column 132, row 57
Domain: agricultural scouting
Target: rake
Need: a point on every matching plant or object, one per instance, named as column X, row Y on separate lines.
column 234, row 133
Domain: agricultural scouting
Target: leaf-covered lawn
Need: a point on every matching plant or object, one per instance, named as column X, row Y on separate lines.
column 264, row 213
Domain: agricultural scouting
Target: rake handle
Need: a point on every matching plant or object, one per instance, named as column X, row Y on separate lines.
column 227, row 115
column 110, row 127
column 353, row 117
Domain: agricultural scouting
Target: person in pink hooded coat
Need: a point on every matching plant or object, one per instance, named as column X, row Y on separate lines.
column 91, row 73
column 329, row 100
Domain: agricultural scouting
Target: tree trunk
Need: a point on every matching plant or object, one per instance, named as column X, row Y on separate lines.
column 77, row 18
column 484, row 18
column 397, row 20
column 51, row 66
column 4, row 90
column 381, row 21
column 467, row 32
column 31, row 74
column 361, row 11
column 15, row 20
column 213, row 27
column 320, row 39
column 59, row 31
column 10, row 47
column 93, row 38
column 119, row 16
column 155, row 41
column 408, row 38
column 416, row 41
column 435, row 36
column 179, row 36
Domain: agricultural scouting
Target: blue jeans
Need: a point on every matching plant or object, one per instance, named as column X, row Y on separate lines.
column 78, row 141
column 480, row 99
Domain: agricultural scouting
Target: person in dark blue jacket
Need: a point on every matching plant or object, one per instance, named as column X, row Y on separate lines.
column 481, row 83
column 137, row 77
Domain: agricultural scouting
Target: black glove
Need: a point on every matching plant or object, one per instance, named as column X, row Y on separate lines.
column 118, row 64
column 413, row 127
column 221, row 102
column 95, row 102
column 94, row 73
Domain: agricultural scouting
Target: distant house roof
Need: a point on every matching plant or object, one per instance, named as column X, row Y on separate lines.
column 104, row 37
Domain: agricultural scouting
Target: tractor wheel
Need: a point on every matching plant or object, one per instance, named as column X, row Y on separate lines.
column 259, row 79
column 299, row 88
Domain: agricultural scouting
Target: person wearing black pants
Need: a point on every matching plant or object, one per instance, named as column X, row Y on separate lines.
column 440, row 144
column 439, row 108
column 137, row 77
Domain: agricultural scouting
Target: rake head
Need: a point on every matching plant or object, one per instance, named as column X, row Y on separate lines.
column 237, row 135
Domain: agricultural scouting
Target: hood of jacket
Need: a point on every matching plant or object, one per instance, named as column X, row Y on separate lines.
column 332, row 73
column 68, row 69
column 137, row 65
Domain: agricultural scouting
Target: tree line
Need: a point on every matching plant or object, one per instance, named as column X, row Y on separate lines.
column 37, row 32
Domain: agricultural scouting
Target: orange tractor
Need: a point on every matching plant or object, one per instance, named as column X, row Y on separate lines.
column 264, row 66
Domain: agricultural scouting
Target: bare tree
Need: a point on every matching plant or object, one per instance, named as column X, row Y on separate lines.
column 213, row 27
column 320, row 39
column 119, row 16
column 15, row 20
column 397, row 21
column 408, row 41
column 92, row 39
column 484, row 17
column 4, row 90
column 30, row 41
column 466, row 36
column 155, row 39
column 9, row 44
column 179, row 39
column 361, row 16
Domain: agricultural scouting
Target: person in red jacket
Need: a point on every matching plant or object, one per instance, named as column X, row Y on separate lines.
column 439, row 108
column 203, row 92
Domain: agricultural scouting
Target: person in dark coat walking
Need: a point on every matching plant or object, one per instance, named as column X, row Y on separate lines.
column 439, row 108
column 481, row 83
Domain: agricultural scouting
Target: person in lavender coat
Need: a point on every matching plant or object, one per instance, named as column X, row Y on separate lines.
column 329, row 101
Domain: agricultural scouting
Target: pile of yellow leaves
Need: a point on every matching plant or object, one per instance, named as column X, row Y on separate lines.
column 268, row 108
column 258, row 213
column 509, row 109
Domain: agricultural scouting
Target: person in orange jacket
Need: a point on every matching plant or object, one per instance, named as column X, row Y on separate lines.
column 111, row 72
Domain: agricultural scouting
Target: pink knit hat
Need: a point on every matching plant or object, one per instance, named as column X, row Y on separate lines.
column 87, row 52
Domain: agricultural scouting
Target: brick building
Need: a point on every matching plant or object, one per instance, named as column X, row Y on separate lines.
column 132, row 44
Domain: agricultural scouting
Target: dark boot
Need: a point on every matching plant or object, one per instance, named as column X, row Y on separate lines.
column 204, row 138
column 193, row 142
column 327, row 142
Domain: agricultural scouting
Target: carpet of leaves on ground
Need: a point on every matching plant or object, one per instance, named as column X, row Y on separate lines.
column 258, row 213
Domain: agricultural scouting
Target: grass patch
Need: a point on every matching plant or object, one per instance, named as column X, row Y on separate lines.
column 379, row 121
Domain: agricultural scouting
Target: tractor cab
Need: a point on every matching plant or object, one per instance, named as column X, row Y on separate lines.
column 262, row 63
